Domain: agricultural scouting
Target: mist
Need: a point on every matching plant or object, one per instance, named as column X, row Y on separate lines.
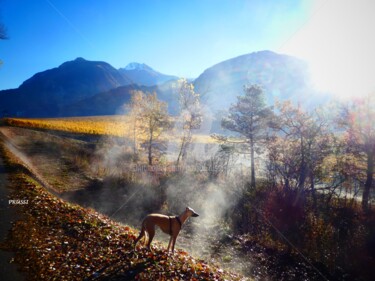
column 120, row 185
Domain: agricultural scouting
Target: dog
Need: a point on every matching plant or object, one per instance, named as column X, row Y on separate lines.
column 168, row 224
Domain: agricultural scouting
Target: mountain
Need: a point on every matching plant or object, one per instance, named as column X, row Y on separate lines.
column 74, row 80
column 112, row 102
column 106, row 103
column 47, row 92
column 281, row 76
column 142, row 74
column 82, row 87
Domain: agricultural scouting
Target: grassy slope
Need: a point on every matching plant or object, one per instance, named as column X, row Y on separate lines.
column 56, row 240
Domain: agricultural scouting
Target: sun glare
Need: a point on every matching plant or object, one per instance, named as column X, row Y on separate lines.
column 341, row 77
column 337, row 42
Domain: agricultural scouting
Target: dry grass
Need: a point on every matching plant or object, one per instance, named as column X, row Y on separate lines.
column 117, row 125
column 97, row 125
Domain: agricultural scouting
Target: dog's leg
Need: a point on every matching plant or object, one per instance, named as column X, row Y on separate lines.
column 173, row 242
column 139, row 237
column 151, row 234
column 169, row 244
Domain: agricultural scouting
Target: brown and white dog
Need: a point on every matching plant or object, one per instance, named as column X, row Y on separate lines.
column 170, row 225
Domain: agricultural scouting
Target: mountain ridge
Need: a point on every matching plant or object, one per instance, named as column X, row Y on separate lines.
column 91, row 85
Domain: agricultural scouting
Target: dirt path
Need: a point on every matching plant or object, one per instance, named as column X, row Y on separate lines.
column 52, row 159
column 8, row 271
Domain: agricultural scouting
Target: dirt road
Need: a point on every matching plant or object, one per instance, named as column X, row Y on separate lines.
column 8, row 271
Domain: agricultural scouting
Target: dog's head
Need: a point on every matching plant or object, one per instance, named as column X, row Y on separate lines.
column 191, row 212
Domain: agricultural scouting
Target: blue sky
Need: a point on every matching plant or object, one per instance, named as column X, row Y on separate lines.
column 183, row 38
column 175, row 37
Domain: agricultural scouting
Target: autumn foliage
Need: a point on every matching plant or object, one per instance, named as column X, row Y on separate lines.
column 58, row 240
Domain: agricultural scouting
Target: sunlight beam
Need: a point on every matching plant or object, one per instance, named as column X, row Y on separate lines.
column 339, row 43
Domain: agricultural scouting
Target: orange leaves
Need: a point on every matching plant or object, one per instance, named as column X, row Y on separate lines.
column 58, row 240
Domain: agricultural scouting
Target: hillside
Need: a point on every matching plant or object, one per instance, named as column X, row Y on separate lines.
column 106, row 103
column 80, row 244
column 112, row 102
column 281, row 76
column 47, row 92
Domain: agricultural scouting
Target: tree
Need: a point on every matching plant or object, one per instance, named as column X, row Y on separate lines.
column 301, row 144
column 358, row 119
column 249, row 118
column 220, row 162
column 134, row 112
column 190, row 116
column 152, row 119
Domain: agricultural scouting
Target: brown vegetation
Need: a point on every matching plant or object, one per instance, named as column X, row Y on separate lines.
column 303, row 211
column 58, row 240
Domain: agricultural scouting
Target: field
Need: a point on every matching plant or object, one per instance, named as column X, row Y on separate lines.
column 101, row 125
column 118, row 126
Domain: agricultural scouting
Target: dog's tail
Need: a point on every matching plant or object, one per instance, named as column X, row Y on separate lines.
column 141, row 234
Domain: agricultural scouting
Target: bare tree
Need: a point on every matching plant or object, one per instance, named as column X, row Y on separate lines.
column 221, row 161
column 358, row 119
column 152, row 119
column 134, row 111
column 300, row 146
column 190, row 116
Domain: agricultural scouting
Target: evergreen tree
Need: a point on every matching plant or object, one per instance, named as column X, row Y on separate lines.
column 249, row 118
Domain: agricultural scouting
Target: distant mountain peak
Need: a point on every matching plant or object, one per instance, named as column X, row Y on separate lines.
column 79, row 59
column 142, row 74
column 137, row 66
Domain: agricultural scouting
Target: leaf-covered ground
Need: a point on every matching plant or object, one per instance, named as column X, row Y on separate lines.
column 56, row 240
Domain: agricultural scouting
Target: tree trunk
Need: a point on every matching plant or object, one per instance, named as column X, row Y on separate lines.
column 135, row 136
column 369, row 179
column 287, row 185
column 303, row 168
column 252, row 180
column 181, row 151
column 150, row 148
column 313, row 192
